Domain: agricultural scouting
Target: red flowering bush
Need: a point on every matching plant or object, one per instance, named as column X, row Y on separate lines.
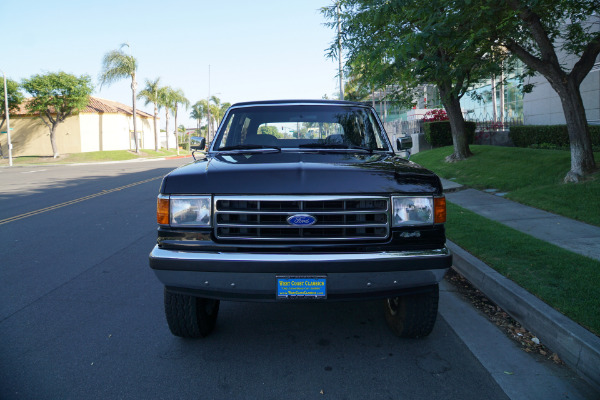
column 435, row 115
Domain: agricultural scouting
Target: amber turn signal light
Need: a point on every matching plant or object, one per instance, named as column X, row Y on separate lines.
column 162, row 210
column 439, row 209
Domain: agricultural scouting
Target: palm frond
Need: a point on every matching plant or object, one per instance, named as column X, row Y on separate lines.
column 117, row 65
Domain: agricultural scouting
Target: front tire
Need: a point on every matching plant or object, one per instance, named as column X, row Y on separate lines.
column 189, row 316
column 413, row 315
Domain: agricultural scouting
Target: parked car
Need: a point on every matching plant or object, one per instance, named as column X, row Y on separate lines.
column 301, row 201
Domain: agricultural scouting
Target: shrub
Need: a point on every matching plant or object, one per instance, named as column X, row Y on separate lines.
column 438, row 133
column 547, row 136
column 184, row 145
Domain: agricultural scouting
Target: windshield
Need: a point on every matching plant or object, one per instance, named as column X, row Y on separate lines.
column 300, row 126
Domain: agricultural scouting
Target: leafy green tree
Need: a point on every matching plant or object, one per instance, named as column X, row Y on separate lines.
column 15, row 98
column 56, row 96
column 354, row 90
column 401, row 44
column 541, row 34
column 178, row 97
column 117, row 65
column 150, row 94
column 270, row 130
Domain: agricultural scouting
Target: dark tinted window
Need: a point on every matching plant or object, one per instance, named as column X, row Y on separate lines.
column 297, row 126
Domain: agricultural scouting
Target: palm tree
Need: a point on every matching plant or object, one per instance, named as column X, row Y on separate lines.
column 150, row 94
column 197, row 114
column 117, row 65
column 224, row 108
column 166, row 99
column 179, row 98
column 218, row 109
column 204, row 110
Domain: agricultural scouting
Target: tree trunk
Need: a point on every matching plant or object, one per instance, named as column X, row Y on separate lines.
column 208, row 123
column 457, row 125
column 53, row 141
column 156, row 144
column 582, row 155
column 176, row 130
column 135, row 132
column 167, row 127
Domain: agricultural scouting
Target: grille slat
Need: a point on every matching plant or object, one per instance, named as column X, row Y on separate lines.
column 337, row 218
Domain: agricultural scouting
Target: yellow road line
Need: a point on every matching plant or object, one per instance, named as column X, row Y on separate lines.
column 79, row 200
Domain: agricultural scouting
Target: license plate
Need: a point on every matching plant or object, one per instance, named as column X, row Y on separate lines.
column 301, row 287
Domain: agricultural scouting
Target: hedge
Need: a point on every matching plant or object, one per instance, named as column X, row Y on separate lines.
column 438, row 133
column 547, row 136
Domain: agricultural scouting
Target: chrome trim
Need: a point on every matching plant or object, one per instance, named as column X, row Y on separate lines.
column 291, row 197
column 320, row 226
column 241, row 225
column 294, row 257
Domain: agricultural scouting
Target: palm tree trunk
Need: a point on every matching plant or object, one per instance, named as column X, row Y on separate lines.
column 176, row 131
column 156, row 144
column 135, row 131
column 167, row 126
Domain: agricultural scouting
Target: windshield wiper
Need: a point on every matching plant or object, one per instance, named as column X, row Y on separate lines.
column 333, row 146
column 249, row 147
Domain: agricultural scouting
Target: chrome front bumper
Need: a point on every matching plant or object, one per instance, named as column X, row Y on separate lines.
column 253, row 276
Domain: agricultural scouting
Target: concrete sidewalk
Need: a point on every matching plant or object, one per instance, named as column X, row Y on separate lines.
column 576, row 346
column 569, row 234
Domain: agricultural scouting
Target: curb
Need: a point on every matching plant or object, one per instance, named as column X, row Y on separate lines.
column 134, row 160
column 575, row 345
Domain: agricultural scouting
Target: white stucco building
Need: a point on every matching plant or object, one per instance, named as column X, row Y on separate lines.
column 102, row 125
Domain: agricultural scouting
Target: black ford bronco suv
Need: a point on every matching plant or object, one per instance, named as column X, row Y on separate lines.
column 301, row 201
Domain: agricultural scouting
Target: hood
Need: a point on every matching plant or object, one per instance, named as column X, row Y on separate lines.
column 301, row 173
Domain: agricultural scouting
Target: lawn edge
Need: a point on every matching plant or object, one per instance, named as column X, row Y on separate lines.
column 575, row 345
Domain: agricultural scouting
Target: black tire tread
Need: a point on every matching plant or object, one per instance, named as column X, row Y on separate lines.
column 187, row 317
column 416, row 314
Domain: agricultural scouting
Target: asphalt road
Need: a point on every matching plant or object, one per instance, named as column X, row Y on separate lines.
column 81, row 313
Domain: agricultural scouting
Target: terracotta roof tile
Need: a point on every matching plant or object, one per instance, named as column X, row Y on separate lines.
column 95, row 105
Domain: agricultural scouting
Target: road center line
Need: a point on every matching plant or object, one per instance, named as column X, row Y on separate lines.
column 79, row 200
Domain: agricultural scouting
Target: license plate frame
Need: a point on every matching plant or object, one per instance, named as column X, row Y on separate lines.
column 301, row 287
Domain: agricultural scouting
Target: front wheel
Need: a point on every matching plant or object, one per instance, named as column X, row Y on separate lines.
column 189, row 316
column 413, row 315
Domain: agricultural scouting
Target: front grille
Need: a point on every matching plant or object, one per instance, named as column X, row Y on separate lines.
column 266, row 217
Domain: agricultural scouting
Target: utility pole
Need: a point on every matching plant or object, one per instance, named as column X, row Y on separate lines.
column 10, row 160
column 208, row 110
column 339, row 29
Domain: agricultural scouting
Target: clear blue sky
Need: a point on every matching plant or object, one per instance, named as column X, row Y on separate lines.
column 263, row 49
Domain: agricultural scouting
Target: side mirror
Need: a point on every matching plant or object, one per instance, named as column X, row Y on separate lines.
column 404, row 143
column 198, row 143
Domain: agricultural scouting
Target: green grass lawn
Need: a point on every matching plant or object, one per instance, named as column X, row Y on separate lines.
column 95, row 156
column 530, row 176
column 566, row 281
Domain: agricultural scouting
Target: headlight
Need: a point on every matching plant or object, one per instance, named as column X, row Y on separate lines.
column 190, row 211
column 410, row 211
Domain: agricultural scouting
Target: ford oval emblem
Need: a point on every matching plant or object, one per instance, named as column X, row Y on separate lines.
column 301, row 220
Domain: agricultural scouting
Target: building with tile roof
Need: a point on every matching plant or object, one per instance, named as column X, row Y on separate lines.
column 102, row 125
